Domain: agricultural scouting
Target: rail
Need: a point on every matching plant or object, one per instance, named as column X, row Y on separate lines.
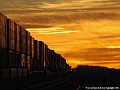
column 46, row 85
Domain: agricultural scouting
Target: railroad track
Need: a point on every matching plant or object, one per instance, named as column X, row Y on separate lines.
column 28, row 83
column 65, row 85
column 53, row 84
column 59, row 84
column 47, row 85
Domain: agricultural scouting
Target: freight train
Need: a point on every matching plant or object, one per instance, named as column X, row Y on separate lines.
column 21, row 55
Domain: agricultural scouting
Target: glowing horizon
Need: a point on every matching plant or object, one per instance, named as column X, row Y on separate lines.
column 83, row 31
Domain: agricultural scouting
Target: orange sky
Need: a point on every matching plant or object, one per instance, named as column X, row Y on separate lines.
column 83, row 31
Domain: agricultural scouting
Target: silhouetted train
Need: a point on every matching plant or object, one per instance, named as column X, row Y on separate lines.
column 21, row 55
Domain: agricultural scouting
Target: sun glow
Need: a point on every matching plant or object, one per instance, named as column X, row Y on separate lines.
column 113, row 47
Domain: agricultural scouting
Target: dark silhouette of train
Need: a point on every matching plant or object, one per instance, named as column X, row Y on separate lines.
column 21, row 56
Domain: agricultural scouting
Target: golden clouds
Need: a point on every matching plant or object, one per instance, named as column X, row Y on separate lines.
column 101, row 5
column 95, row 56
column 71, row 27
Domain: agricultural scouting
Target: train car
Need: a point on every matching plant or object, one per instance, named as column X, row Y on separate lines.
column 28, row 54
column 3, row 41
column 11, row 34
column 52, row 61
column 36, row 55
column 3, row 31
column 58, row 62
column 4, row 60
column 23, row 40
column 18, row 38
column 42, row 55
column 63, row 62
column 23, row 46
column 18, row 45
column 22, row 57
column 4, row 75
column 4, row 70
column 22, row 74
column 13, row 47
column 46, row 62
column 68, row 68
column 32, row 53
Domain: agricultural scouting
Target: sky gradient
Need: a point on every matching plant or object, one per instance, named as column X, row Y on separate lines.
column 85, row 32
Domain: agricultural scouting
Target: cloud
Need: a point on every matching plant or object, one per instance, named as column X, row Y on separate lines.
column 51, row 30
column 64, row 20
column 108, row 37
column 68, row 14
column 95, row 56
column 36, row 25
column 61, row 5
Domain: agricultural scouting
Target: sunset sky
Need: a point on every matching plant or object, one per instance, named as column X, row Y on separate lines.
column 84, row 32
